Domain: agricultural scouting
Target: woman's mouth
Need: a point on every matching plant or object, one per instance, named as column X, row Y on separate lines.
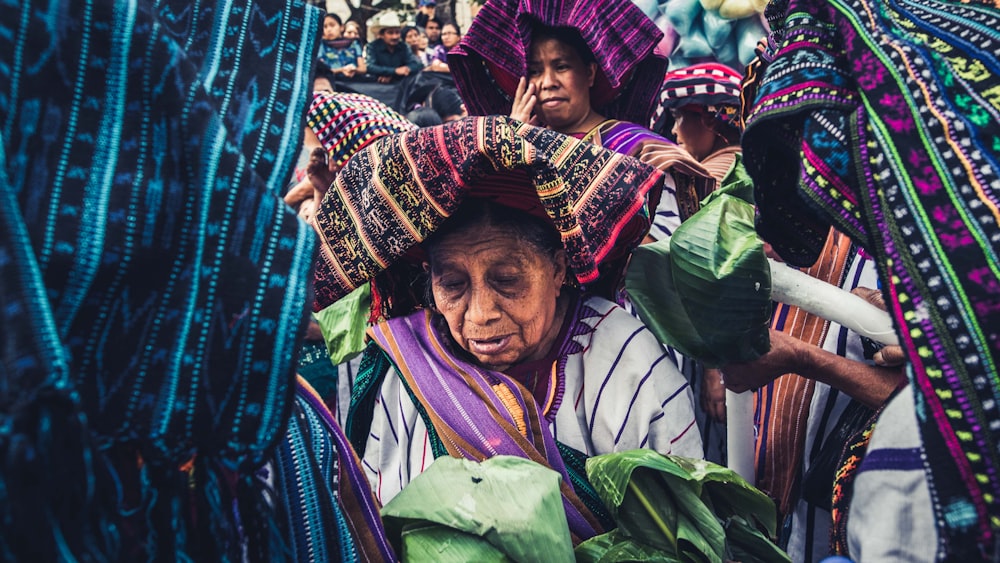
column 552, row 102
column 488, row 347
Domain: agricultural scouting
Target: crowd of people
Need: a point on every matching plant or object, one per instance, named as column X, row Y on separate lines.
column 251, row 296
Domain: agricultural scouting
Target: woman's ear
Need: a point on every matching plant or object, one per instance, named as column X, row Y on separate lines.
column 560, row 271
column 591, row 74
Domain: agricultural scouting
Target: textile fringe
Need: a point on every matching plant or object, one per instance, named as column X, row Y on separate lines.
column 47, row 513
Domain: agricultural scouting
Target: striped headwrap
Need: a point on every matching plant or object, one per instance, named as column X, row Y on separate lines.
column 153, row 283
column 346, row 123
column 396, row 192
column 712, row 86
column 883, row 118
column 492, row 55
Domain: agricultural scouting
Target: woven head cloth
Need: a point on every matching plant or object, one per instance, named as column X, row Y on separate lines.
column 346, row 123
column 713, row 87
column 492, row 56
column 396, row 192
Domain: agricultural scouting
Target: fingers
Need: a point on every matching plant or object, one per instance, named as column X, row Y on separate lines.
column 524, row 102
column 890, row 356
column 873, row 296
column 320, row 170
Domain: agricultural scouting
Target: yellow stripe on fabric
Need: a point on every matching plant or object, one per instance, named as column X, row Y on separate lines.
column 553, row 388
column 509, row 402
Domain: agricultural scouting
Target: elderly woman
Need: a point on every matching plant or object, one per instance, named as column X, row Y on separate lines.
column 589, row 70
column 507, row 344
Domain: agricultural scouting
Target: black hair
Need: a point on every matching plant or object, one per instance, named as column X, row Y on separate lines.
column 566, row 35
column 457, row 27
column 477, row 213
column 436, row 20
column 335, row 17
column 407, row 29
column 445, row 101
column 323, row 71
column 424, row 117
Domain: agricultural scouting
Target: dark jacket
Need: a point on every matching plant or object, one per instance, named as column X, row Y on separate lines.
column 382, row 62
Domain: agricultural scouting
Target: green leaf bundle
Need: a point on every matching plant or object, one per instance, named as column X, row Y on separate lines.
column 503, row 509
column 670, row 508
column 706, row 291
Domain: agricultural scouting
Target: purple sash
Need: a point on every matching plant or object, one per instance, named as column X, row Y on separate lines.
column 477, row 413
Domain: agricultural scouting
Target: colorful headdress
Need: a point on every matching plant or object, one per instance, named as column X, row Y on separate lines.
column 346, row 123
column 712, row 86
column 492, row 56
column 400, row 189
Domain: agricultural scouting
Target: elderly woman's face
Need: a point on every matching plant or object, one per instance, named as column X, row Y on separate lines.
column 498, row 295
column 562, row 84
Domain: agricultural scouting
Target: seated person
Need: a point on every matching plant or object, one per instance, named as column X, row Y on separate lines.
column 496, row 334
column 386, row 57
column 417, row 43
column 352, row 30
column 342, row 55
column 438, row 57
column 433, row 31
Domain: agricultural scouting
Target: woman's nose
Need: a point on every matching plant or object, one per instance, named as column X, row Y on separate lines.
column 482, row 306
column 547, row 79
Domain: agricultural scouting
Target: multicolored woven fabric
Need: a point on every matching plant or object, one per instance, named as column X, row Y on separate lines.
column 152, row 280
column 883, row 118
column 492, row 55
column 398, row 190
column 713, row 86
column 345, row 123
column 329, row 507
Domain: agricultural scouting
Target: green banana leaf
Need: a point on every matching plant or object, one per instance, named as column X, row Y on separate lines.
column 615, row 546
column 434, row 543
column 735, row 183
column 706, row 291
column 507, row 504
column 690, row 510
column 344, row 323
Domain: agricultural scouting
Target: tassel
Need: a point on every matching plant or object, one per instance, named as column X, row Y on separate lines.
column 56, row 489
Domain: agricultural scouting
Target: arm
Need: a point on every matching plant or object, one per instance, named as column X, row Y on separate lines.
column 372, row 64
column 871, row 385
column 362, row 63
column 412, row 62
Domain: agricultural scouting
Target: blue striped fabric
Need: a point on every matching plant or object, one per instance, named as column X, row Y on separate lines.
column 152, row 278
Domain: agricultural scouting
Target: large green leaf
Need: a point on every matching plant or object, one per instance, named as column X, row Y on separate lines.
column 691, row 510
column 748, row 544
column 657, row 503
column 614, row 547
column 343, row 324
column 728, row 493
column 512, row 503
column 707, row 290
column 435, row 543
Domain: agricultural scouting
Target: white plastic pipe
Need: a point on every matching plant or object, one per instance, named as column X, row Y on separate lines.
column 740, row 439
column 793, row 287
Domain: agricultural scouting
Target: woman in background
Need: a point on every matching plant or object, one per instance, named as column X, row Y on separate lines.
column 540, row 65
